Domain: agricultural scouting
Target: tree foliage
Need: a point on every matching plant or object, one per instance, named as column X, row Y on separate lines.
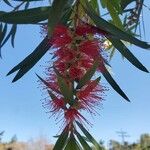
column 118, row 26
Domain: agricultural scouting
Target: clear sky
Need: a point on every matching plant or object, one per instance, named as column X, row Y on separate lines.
column 21, row 112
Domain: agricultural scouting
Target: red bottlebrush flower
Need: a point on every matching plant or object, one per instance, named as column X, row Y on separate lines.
column 65, row 54
column 52, row 81
column 101, row 66
column 85, row 61
column 61, row 36
column 90, row 48
column 60, row 66
column 72, row 115
column 76, row 72
column 90, row 95
column 57, row 104
column 61, row 41
column 73, row 57
column 60, row 30
column 84, row 29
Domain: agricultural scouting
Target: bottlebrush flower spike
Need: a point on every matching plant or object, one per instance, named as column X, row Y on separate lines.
column 74, row 54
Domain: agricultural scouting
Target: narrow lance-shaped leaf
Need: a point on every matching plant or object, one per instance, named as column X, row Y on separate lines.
column 2, row 34
column 114, row 14
column 127, row 54
column 72, row 144
column 31, row 60
column 51, row 95
column 55, row 14
column 103, row 3
column 65, row 88
column 82, row 141
column 117, row 5
column 8, row 3
column 23, row 70
column 14, row 29
column 8, row 36
column 46, row 83
column 88, row 75
column 60, row 143
column 29, row 16
column 114, row 85
column 89, row 136
column 110, row 28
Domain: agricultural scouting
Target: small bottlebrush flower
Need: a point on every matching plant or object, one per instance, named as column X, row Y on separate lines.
column 73, row 114
column 76, row 72
column 90, row 48
column 61, row 41
column 60, row 66
column 60, row 30
column 61, row 36
column 85, row 61
column 64, row 52
column 51, row 81
column 90, row 95
column 84, row 29
column 101, row 66
column 57, row 104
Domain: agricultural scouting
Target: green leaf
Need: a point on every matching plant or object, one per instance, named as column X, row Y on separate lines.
column 82, row 141
column 64, row 88
column 114, row 85
column 103, row 3
column 46, row 83
column 117, row 5
column 29, row 16
column 14, row 29
column 88, row 75
column 8, row 36
column 94, row 4
column 30, row 60
column 72, row 144
column 2, row 34
column 8, row 3
column 89, row 136
column 55, row 14
column 33, row 58
column 60, row 143
column 114, row 14
column 127, row 54
column 51, row 95
column 110, row 28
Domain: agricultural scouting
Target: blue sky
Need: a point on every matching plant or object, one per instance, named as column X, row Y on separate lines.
column 21, row 112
